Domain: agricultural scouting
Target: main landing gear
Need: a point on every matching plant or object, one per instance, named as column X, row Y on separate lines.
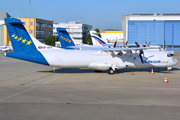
column 111, row 71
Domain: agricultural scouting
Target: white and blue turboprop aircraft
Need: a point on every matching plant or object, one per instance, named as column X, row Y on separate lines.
column 70, row 43
column 28, row 48
column 67, row 42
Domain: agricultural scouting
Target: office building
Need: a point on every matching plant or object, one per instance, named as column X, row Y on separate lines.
column 39, row 28
column 77, row 30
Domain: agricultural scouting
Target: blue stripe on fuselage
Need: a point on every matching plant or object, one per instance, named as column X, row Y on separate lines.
column 36, row 57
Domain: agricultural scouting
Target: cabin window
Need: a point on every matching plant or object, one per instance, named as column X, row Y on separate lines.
column 168, row 55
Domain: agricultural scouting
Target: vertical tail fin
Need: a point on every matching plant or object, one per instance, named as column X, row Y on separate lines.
column 25, row 47
column 20, row 39
column 96, row 39
column 64, row 38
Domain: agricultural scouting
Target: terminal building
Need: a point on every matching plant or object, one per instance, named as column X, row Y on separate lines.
column 77, row 30
column 162, row 29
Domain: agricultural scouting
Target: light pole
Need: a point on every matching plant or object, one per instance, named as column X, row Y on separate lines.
column 29, row 14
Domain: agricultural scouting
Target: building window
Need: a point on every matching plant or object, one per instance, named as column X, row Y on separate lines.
column 31, row 23
column 75, row 32
column 39, row 32
column 77, row 38
column 40, row 24
column 50, row 32
column 49, row 26
column 40, row 39
column 31, row 31
column 85, row 28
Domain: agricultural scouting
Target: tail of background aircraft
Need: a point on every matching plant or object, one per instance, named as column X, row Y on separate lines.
column 96, row 40
column 64, row 38
column 24, row 46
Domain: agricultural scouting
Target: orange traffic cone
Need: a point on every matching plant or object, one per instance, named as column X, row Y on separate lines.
column 152, row 72
column 165, row 80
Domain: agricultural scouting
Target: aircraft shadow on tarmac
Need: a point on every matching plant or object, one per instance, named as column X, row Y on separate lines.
column 70, row 70
column 126, row 70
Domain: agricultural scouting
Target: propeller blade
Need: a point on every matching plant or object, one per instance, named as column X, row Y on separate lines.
column 141, row 58
column 115, row 44
column 137, row 45
column 141, row 52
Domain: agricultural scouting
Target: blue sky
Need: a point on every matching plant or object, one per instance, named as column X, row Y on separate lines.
column 102, row 14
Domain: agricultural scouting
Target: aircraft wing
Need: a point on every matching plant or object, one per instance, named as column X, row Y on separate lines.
column 107, row 49
column 119, row 45
column 131, row 52
column 90, row 47
column 128, row 49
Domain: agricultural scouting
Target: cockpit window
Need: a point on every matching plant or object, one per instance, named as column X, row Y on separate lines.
column 168, row 55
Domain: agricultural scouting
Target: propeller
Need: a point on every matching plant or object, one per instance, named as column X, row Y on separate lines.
column 146, row 44
column 137, row 45
column 115, row 44
column 141, row 51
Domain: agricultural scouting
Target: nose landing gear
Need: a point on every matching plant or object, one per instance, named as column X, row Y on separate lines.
column 168, row 69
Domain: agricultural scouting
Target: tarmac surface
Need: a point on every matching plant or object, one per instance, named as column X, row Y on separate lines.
column 30, row 91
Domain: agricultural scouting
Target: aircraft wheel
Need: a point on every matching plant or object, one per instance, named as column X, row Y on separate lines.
column 168, row 69
column 110, row 71
column 98, row 71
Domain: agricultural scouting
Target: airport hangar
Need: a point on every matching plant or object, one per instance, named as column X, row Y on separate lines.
column 162, row 29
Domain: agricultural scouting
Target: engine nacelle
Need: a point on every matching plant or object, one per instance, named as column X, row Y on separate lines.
column 105, row 66
column 121, row 66
column 99, row 66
